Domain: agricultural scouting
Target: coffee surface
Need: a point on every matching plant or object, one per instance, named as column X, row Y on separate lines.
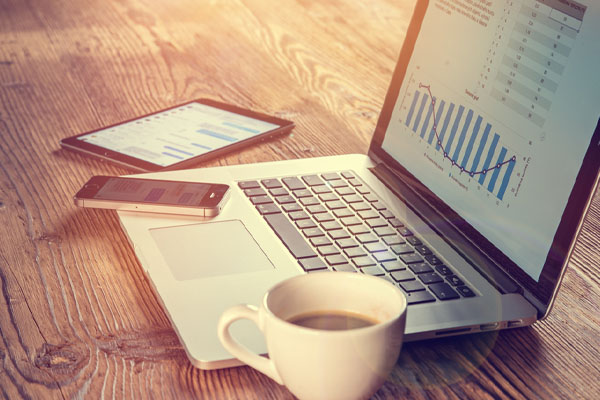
column 331, row 320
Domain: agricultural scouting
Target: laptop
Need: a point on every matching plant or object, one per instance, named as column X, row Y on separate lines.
column 481, row 169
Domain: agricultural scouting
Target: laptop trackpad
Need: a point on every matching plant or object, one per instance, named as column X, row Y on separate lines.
column 210, row 249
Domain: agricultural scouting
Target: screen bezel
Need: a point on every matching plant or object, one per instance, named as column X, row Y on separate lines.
column 89, row 190
column 577, row 204
column 73, row 143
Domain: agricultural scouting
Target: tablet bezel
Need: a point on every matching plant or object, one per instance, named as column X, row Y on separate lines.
column 73, row 143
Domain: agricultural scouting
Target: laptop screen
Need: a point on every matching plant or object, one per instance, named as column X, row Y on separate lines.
column 495, row 113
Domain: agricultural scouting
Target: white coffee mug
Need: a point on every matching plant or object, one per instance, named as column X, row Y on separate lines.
column 324, row 364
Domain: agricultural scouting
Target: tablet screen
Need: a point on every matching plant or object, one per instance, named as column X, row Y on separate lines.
column 178, row 134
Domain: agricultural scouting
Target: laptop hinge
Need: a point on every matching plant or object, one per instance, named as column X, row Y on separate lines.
column 456, row 239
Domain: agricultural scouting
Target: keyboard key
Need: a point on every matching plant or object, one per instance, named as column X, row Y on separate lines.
column 433, row 260
column 343, row 213
column 255, row 192
column 415, row 241
column 337, row 184
column 358, row 229
column 328, row 197
column 387, row 278
column 354, row 182
column 371, row 198
column 289, row 235
column 296, row 215
column 331, row 225
column 316, row 209
column 291, row 207
column 374, row 270
column 334, row 205
column 330, row 176
column 392, row 240
column 260, row 200
column 345, row 268
column 363, row 190
column 309, row 201
column 367, row 238
column 346, row 243
column 348, row 175
column 455, row 280
column 410, row 258
column 248, row 185
column 396, row 223
column 312, row 264
column 355, row 252
column 338, row 234
column 405, row 232
column 412, row 286
column 349, row 221
column 328, row 250
column 321, row 189
column 419, row 297
column 345, row 191
column 379, row 206
column 306, row 223
column 313, row 232
column 387, row 214
column 443, row 270
column 323, row 217
column 375, row 247
column 266, row 209
column 384, row 231
column 302, row 193
column 443, row 291
column 368, row 214
column 402, row 276
column 363, row 261
column 393, row 266
column 320, row 241
column 401, row 248
column 278, row 192
column 420, row 268
column 293, row 183
column 312, row 180
column 271, row 183
column 336, row 259
column 423, row 250
column 382, row 256
column 465, row 291
column 353, row 198
column 285, row 199
column 362, row 206
column 430, row 277
column 376, row 223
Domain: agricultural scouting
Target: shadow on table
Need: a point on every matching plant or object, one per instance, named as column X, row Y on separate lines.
column 436, row 365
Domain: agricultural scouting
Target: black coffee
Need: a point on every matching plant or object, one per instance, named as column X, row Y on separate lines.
column 332, row 320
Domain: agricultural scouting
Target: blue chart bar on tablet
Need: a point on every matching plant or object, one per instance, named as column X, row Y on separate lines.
column 470, row 143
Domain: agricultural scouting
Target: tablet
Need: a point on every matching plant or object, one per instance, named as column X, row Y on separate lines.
column 178, row 137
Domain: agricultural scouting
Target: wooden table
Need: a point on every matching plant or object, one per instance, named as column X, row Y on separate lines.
column 78, row 318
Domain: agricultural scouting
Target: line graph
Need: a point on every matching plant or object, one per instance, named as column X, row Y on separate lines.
column 463, row 138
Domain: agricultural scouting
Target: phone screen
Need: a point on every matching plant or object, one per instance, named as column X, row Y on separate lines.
column 153, row 191
column 178, row 134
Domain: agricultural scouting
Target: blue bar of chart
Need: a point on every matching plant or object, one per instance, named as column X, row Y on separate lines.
column 468, row 140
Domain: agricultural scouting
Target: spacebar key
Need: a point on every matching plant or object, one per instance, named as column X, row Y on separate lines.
column 289, row 235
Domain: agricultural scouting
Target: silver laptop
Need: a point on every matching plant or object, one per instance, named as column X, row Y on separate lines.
column 481, row 169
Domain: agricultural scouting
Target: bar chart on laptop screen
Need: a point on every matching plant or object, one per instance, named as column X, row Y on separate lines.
column 473, row 148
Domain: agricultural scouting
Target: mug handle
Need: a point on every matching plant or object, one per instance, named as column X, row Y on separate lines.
column 244, row 311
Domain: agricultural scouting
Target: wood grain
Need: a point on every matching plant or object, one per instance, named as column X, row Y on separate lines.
column 78, row 319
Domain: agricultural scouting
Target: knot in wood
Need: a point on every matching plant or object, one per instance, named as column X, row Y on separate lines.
column 65, row 359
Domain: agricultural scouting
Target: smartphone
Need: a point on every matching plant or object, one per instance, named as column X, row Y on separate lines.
column 178, row 137
column 152, row 195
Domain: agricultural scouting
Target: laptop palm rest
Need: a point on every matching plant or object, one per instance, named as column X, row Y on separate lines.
column 209, row 250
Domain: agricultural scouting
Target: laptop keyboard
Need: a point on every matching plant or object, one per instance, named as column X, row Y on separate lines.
column 333, row 221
